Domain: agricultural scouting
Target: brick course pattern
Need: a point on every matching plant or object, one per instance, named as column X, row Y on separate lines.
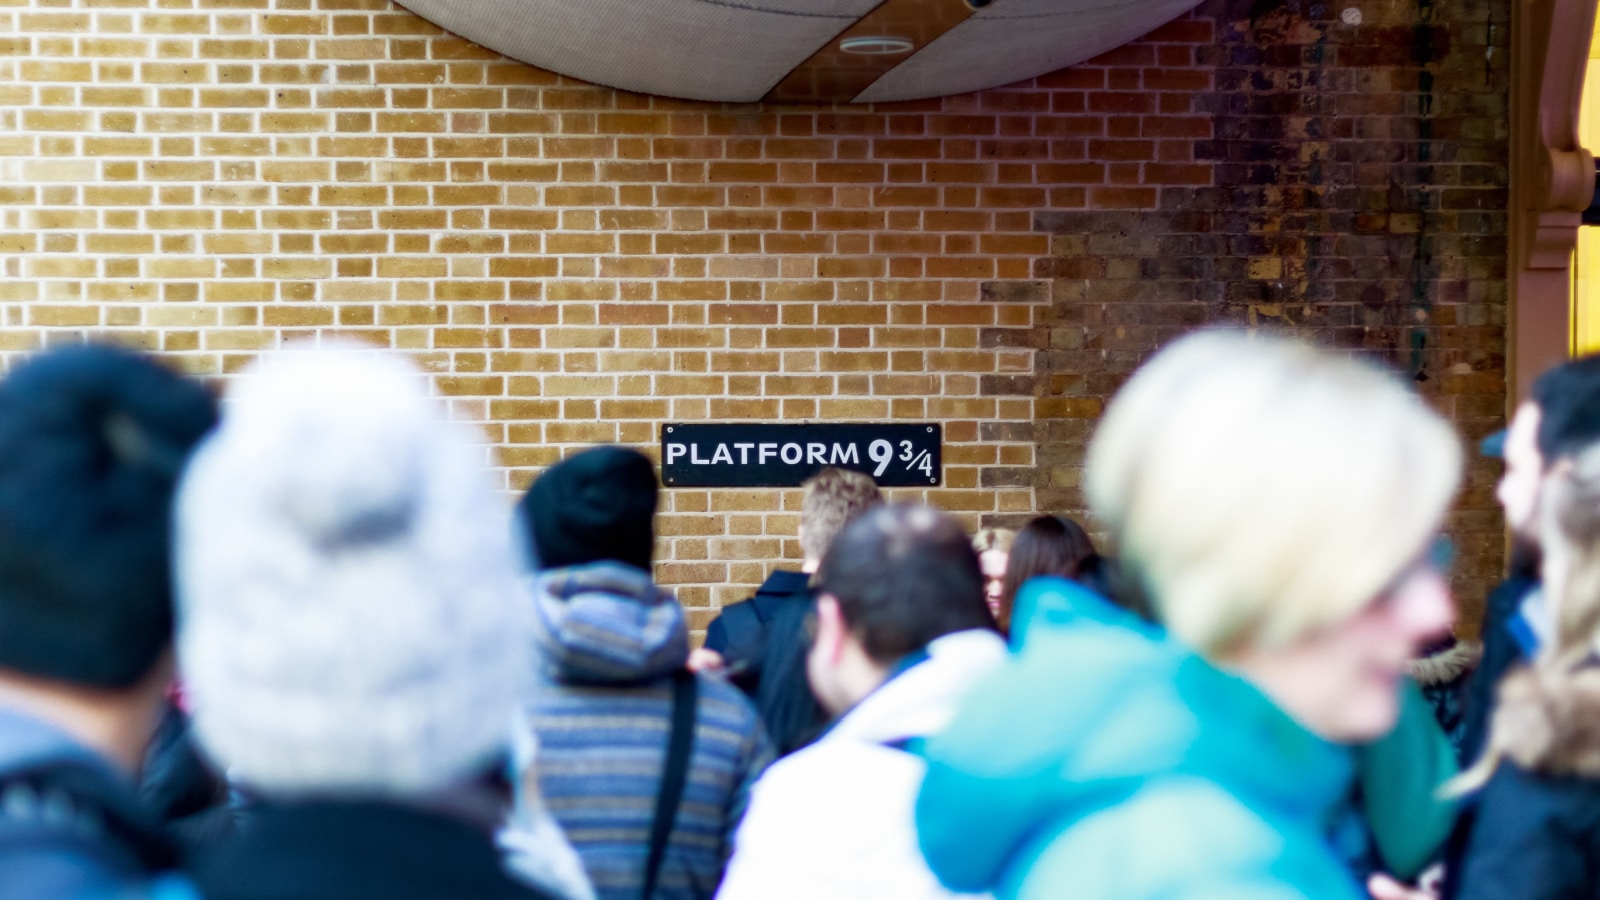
column 210, row 178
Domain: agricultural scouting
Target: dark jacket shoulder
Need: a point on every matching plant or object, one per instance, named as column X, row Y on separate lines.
column 356, row 850
column 69, row 824
column 1535, row 835
column 739, row 629
column 1536, row 832
column 763, row 642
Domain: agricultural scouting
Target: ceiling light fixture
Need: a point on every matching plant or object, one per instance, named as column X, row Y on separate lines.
column 881, row 45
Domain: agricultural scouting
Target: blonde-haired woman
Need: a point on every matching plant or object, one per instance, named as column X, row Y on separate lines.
column 1537, row 830
column 993, row 546
column 1277, row 503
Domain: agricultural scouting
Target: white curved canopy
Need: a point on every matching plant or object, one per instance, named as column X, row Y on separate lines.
column 740, row 50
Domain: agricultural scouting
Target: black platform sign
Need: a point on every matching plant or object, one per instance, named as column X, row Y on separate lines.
column 743, row 455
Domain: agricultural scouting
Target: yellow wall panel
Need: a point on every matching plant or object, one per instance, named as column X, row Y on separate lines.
column 1586, row 265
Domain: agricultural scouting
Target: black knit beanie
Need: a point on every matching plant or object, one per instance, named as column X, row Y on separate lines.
column 597, row 505
column 92, row 441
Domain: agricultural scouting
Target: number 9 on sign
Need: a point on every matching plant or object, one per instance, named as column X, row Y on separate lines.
column 880, row 452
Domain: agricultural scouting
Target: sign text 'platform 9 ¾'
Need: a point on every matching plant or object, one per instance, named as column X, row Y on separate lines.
column 769, row 455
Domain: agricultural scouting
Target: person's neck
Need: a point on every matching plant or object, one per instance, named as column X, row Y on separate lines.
column 1292, row 686
column 859, row 677
column 115, row 724
column 810, row 566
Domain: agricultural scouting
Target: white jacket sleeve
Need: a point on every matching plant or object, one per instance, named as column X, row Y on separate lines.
column 769, row 847
column 834, row 820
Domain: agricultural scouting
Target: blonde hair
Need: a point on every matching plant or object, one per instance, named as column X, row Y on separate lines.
column 993, row 539
column 1260, row 488
column 1569, row 530
column 833, row 499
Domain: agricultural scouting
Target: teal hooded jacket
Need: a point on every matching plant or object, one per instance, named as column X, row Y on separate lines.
column 1105, row 761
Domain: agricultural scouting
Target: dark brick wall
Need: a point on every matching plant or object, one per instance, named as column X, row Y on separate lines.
column 1344, row 181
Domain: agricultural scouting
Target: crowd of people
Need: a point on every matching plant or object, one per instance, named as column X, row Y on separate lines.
column 295, row 646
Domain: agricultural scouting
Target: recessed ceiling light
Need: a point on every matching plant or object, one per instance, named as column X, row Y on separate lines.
column 877, row 46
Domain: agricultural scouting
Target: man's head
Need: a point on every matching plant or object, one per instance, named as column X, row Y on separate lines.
column 1560, row 419
column 896, row 578
column 596, row 505
column 833, row 498
column 92, row 441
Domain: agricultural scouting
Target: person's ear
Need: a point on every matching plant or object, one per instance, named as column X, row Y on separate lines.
column 831, row 628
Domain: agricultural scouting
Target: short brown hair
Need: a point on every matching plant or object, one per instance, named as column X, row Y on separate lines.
column 833, row 498
column 904, row 575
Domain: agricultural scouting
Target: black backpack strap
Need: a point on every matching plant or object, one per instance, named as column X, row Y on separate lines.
column 680, row 745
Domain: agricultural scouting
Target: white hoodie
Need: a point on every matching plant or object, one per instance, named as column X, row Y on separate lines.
column 837, row 819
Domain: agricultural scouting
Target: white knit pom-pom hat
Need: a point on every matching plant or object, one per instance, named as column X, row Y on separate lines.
column 348, row 584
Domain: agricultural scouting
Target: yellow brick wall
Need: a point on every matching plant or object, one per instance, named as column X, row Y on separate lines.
column 211, row 178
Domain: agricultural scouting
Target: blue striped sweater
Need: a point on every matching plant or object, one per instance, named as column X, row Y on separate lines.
column 608, row 639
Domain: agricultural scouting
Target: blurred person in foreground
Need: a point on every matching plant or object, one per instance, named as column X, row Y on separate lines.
column 1277, row 503
column 351, row 636
column 902, row 632
column 92, row 442
column 1047, row 545
column 645, row 764
column 760, row 643
column 1537, row 828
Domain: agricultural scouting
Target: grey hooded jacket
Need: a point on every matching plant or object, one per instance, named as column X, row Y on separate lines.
column 608, row 642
